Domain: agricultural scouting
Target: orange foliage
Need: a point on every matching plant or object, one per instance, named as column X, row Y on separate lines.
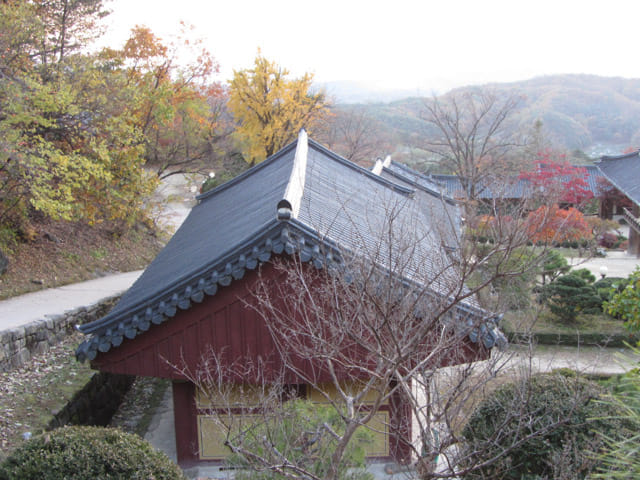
column 554, row 224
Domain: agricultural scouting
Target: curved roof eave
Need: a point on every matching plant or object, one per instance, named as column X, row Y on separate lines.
column 281, row 237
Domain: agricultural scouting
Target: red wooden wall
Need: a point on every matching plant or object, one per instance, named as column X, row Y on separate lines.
column 222, row 323
column 225, row 324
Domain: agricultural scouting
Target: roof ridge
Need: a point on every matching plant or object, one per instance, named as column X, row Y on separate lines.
column 635, row 153
column 247, row 173
column 381, row 164
column 365, row 171
column 289, row 206
column 438, row 192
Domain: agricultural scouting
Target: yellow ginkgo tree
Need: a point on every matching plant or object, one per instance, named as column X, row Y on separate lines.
column 270, row 108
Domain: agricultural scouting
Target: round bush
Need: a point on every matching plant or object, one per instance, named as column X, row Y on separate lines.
column 546, row 427
column 88, row 453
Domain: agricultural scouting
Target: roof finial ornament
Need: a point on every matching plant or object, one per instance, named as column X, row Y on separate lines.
column 381, row 164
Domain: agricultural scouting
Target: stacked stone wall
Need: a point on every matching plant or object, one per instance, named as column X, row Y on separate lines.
column 19, row 344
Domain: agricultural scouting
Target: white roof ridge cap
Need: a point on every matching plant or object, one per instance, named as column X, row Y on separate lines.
column 295, row 186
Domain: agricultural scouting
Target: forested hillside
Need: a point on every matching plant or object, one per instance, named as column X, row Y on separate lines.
column 86, row 135
column 576, row 111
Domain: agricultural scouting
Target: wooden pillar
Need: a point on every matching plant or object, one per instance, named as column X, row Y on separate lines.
column 634, row 236
column 400, row 428
column 185, row 418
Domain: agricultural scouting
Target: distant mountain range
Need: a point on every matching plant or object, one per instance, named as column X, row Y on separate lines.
column 597, row 115
column 349, row 92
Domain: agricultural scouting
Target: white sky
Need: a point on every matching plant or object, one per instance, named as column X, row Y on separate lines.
column 411, row 44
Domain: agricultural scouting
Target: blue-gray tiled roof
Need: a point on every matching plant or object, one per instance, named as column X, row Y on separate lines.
column 505, row 188
column 305, row 200
column 510, row 187
column 623, row 171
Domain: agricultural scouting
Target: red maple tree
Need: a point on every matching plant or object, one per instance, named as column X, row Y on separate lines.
column 557, row 178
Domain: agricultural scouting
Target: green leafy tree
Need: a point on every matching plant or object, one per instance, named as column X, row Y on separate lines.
column 69, row 153
column 68, row 148
column 620, row 459
column 271, row 109
column 19, row 26
column 626, row 303
column 609, row 286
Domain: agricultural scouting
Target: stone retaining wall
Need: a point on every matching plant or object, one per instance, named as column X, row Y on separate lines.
column 96, row 403
column 19, row 344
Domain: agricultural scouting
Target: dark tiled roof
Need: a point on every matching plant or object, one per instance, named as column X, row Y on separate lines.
column 593, row 174
column 416, row 179
column 512, row 187
column 305, row 200
column 623, row 171
column 443, row 212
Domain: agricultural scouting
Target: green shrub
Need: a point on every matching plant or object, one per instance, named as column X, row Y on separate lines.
column 609, row 286
column 541, row 428
column 88, row 453
column 300, row 432
column 554, row 265
column 585, row 274
column 620, row 459
column 625, row 303
column 570, row 295
column 212, row 182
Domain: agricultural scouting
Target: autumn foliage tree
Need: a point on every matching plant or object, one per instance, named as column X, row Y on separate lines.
column 270, row 108
column 69, row 149
column 77, row 128
column 555, row 177
column 552, row 224
column 175, row 106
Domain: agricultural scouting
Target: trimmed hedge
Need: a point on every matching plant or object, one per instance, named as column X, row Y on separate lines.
column 88, row 453
column 573, row 339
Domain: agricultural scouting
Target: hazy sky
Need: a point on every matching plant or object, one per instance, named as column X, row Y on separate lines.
column 410, row 44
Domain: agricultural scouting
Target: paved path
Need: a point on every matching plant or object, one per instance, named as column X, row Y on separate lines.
column 618, row 264
column 588, row 360
column 34, row 306
column 176, row 195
